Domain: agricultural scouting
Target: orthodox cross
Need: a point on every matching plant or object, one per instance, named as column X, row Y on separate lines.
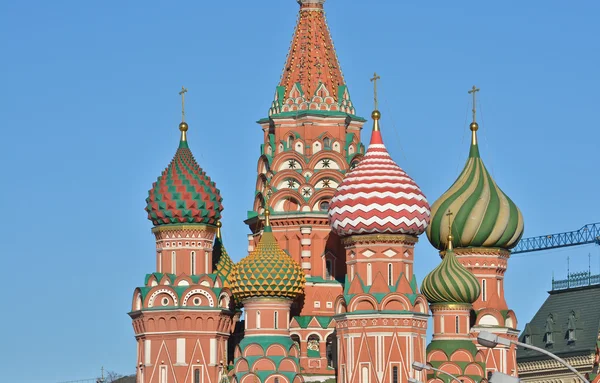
column 473, row 91
column 182, row 94
column 449, row 214
column 374, row 81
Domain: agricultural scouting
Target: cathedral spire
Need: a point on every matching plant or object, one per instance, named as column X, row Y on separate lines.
column 312, row 68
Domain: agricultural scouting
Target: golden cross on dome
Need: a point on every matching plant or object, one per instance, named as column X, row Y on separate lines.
column 474, row 91
column 182, row 94
column 374, row 81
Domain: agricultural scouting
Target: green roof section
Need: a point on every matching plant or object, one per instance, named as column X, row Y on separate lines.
column 448, row 347
column 305, row 320
column 575, row 310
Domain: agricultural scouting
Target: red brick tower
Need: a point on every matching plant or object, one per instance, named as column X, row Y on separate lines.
column 311, row 139
column 451, row 289
column 381, row 317
column 183, row 315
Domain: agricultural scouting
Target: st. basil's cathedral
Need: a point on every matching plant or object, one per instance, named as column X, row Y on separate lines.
column 327, row 291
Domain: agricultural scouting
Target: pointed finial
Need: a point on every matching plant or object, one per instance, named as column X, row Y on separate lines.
column 183, row 127
column 474, row 126
column 449, row 215
column 219, row 224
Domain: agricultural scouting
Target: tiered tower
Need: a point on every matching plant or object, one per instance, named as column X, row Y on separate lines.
column 311, row 138
column 266, row 282
column 381, row 317
column 487, row 224
column 451, row 289
column 183, row 315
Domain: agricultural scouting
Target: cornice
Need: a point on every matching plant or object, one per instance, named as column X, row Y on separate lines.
column 362, row 239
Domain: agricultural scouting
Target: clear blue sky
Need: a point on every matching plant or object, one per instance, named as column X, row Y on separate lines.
column 89, row 112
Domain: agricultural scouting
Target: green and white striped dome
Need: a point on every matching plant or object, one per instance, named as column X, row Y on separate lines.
column 483, row 216
column 450, row 282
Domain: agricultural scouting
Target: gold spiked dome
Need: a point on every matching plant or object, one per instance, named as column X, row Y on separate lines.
column 268, row 271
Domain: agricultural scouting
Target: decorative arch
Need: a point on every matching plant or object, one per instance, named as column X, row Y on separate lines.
column 211, row 301
column 263, row 364
column 162, row 291
column 461, row 356
column 451, row 368
column 276, row 350
column 242, row 365
column 363, row 302
column 340, row 305
column 263, row 165
column 474, row 369
column 391, row 301
column 489, row 317
column 253, row 349
column 437, row 355
column 288, row 364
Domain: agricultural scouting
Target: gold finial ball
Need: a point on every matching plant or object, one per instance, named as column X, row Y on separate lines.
column 474, row 127
column 183, row 127
column 267, row 212
column 219, row 224
column 376, row 115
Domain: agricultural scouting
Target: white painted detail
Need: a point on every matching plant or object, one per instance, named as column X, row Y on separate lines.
column 305, row 230
column 180, row 359
column 147, row 352
column 305, row 253
column 213, row 351
column 368, row 253
column 306, row 265
column 305, row 241
column 389, row 253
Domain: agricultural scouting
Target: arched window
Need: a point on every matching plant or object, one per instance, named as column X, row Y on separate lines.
column 160, row 266
column 395, row 374
column 330, row 344
column 324, row 205
column 275, row 320
column 290, row 141
column 276, row 380
column 163, row 374
column 483, row 290
column 328, row 269
column 457, row 324
column 173, row 263
column 351, row 273
column 390, row 274
column 258, row 319
column 327, row 143
column 193, row 262
column 369, row 274
column 197, row 375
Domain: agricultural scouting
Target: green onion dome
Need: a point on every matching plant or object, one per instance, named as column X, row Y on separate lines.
column 450, row 282
column 183, row 194
column 483, row 216
column 223, row 263
column 267, row 272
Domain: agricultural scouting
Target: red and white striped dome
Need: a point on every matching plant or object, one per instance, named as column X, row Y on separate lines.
column 378, row 196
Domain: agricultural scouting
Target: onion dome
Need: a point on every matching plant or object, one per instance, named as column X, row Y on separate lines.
column 184, row 194
column 223, row 263
column 450, row 282
column 378, row 196
column 268, row 271
column 483, row 215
